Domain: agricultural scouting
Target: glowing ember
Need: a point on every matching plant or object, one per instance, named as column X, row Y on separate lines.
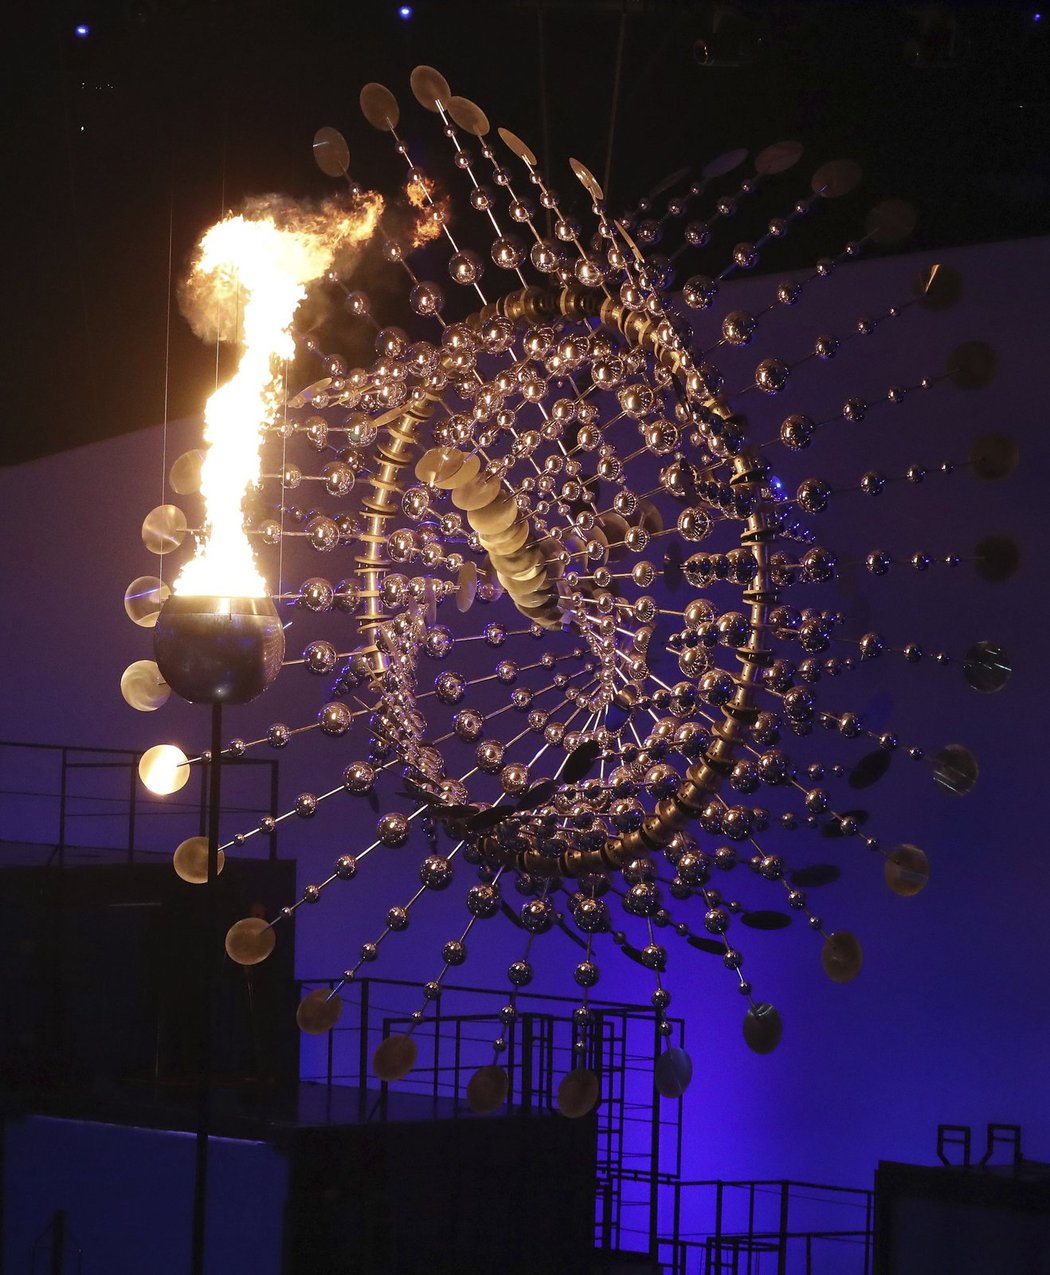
column 250, row 275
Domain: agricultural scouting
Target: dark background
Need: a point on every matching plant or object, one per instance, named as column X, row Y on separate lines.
column 121, row 146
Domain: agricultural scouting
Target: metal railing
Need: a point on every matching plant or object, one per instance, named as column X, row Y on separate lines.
column 44, row 800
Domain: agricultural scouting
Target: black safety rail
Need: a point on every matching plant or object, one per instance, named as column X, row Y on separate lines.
column 632, row 1126
column 72, row 799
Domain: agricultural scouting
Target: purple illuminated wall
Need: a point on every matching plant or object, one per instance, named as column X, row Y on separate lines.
column 948, row 1019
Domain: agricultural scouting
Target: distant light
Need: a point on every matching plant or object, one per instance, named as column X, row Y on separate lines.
column 405, row 11
column 1037, row 17
column 82, row 31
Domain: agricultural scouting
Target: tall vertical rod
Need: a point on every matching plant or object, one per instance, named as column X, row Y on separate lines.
column 200, row 1184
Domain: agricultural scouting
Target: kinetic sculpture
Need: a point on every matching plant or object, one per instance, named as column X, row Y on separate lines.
column 577, row 612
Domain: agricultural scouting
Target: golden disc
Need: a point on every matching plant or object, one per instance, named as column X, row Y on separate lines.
column 475, row 494
column 190, row 860
column 250, row 941
column 468, row 115
column 430, row 88
column 514, row 142
column 907, row 870
column 842, row 956
column 487, row 1089
column 184, row 477
column 164, row 769
column 439, row 463
column 587, row 180
column 578, row 1093
column 466, row 473
column 318, row 1012
column 379, row 106
column 496, row 517
column 164, row 529
column 394, row 1057
column 143, row 687
column 510, row 540
column 467, row 586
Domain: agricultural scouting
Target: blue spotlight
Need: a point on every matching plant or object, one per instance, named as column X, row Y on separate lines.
column 405, row 12
column 82, row 31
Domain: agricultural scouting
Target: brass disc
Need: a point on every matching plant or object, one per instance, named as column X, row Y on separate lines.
column 514, row 143
column 778, row 158
column 190, row 860
column 475, row 494
column 439, row 463
column 318, row 1012
column 143, row 687
column 379, row 106
column 466, row 473
column 394, row 1057
column 722, row 164
column 468, row 115
column 467, row 587
column 587, row 180
column 891, row 221
column 578, row 1093
column 509, row 541
column 841, row 956
column 487, row 1089
column 184, row 477
column 250, row 941
column 673, row 1072
column 496, row 517
column 762, row 1028
column 164, row 769
column 331, row 153
column 430, row 88
column 907, row 870
column 164, row 529
column 836, row 178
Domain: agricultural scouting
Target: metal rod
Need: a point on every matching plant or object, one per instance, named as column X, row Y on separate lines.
column 200, row 1184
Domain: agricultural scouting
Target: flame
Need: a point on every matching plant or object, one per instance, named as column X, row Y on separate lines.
column 426, row 226
column 248, row 279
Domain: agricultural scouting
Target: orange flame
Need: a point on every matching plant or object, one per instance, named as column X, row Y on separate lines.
column 249, row 277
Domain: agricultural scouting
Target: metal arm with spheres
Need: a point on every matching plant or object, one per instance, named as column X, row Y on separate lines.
column 583, row 618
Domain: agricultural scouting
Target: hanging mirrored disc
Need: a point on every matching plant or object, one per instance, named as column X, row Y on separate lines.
column 430, row 88
column 841, row 956
column 762, row 1028
column 514, row 143
column 439, row 463
column 997, row 558
column 487, row 1089
column 250, row 941
column 671, row 180
column 164, row 529
column 778, row 158
column 673, row 1072
column 907, row 870
column 891, row 221
column 987, row 667
column 587, row 180
column 972, row 365
column 190, row 860
column 724, row 163
column 184, row 477
column 164, row 769
column 468, row 116
column 331, row 153
column 578, row 1093
column 955, row 768
column 379, row 107
column 836, row 178
column 143, row 599
column 938, row 287
column 870, row 769
column 467, row 586
column 394, row 1057
column 318, row 1012
column 143, row 687
column 994, row 456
